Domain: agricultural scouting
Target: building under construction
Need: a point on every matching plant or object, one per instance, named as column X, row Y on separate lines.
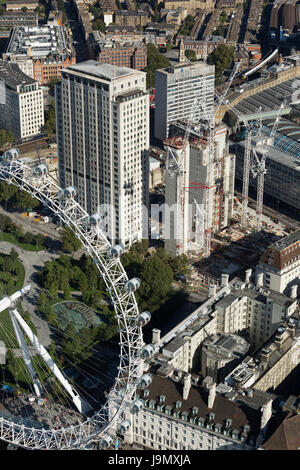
column 176, row 197
column 196, row 186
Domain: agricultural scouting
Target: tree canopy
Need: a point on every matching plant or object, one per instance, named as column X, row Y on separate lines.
column 191, row 55
column 155, row 61
column 6, row 137
column 50, row 119
column 13, row 197
column 70, row 243
column 187, row 25
column 221, row 58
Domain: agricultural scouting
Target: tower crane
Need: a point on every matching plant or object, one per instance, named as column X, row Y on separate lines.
column 175, row 162
column 259, row 167
column 253, row 128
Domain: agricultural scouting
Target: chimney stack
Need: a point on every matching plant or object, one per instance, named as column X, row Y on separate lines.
column 155, row 336
column 186, row 386
column 248, row 273
column 211, row 395
column 224, row 279
column 266, row 414
column 212, row 290
column 294, row 291
column 260, row 280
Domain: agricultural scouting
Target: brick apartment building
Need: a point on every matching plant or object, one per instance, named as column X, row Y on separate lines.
column 133, row 56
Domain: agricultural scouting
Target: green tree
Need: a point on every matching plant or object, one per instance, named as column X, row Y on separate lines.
column 25, row 201
column 141, row 247
column 179, row 264
column 155, row 61
column 52, row 317
column 187, row 25
column 12, row 364
column 50, row 119
column 67, row 291
column 53, row 82
column 132, row 262
column 70, row 243
column 222, row 58
column 42, row 300
column 53, row 291
column 13, row 255
column 6, row 137
column 7, row 192
column 87, row 297
column 99, row 25
column 191, row 55
column 156, row 279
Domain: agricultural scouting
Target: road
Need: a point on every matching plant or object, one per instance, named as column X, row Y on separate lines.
column 30, row 226
column 172, row 55
column 32, row 261
column 82, row 52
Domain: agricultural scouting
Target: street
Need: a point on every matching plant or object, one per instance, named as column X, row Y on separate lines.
column 29, row 226
column 82, row 52
column 32, row 262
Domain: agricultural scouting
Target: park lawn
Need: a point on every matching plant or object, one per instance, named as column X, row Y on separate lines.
column 9, row 237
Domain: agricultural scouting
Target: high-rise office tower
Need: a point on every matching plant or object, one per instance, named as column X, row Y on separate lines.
column 21, row 102
column 176, row 90
column 103, row 141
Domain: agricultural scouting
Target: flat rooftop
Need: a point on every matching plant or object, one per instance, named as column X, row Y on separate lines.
column 39, row 41
column 189, row 69
column 105, row 71
column 285, row 242
column 280, row 156
column 13, row 76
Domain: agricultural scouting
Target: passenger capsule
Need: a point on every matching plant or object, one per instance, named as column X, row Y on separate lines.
column 124, row 426
column 145, row 381
column 143, row 319
column 133, row 284
column 11, row 154
column 41, row 170
column 147, row 351
column 70, row 192
column 116, row 251
column 136, row 406
column 106, row 441
column 96, row 219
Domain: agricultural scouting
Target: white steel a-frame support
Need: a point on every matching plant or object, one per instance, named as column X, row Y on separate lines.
column 81, row 404
column 17, row 321
column 25, row 354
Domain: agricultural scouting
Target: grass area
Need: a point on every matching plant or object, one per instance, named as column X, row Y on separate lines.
column 16, row 282
column 9, row 237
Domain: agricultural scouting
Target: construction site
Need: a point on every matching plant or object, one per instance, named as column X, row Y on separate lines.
column 218, row 231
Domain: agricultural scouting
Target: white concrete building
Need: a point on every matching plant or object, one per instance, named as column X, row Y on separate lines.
column 103, row 141
column 279, row 267
column 176, row 88
column 21, row 102
column 237, row 308
column 271, row 363
column 223, row 173
column 176, row 197
column 177, row 414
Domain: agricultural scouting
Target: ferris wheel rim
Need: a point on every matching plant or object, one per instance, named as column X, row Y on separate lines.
column 14, row 173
